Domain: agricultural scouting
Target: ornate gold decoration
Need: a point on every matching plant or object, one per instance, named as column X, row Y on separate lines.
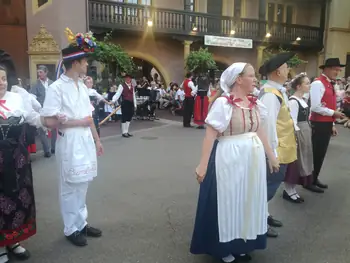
column 43, row 42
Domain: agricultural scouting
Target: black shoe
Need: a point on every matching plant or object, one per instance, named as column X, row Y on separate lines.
column 19, row 256
column 130, row 135
column 200, row 127
column 314, row 188
column 289, row 198
column 78, row 239
column 273, row 222
column 47, row 155
column 53, row 151
column 91, row 231
column 245, row 257
column 125, row 135
column 271, row 232
column 321, row 185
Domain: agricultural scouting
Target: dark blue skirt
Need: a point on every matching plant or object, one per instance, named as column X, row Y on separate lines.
column 205, row 239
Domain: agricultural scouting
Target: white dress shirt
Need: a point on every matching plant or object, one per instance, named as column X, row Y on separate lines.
column 316, row 93
column 94, row 93
column 273, row 106
column 120, row 91
column 294, row 109
column 45, row 83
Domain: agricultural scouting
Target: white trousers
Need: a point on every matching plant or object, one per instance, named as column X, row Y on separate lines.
column 73, row 206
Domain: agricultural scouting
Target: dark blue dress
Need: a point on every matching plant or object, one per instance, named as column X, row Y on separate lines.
column 205, row 239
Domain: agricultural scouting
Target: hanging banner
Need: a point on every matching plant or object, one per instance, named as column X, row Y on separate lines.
column 228, row 42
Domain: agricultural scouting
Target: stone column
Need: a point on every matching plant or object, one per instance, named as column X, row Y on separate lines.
column 187, row 50
column 259, row 56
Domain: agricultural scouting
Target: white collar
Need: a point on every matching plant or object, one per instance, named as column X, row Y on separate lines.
column 65, row 78
column 328, row 79
column 276, row 85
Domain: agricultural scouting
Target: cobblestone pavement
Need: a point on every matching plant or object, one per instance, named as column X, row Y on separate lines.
column 145, row 196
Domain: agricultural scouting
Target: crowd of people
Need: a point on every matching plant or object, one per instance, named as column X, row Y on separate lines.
column 252, row 144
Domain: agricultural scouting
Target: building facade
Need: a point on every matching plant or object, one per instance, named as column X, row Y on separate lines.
column 163, row 32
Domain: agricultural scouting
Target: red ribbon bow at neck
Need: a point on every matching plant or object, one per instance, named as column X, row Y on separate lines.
column 2, row 105
column 233, row 101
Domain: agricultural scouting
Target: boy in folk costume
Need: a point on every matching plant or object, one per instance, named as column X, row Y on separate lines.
column 323, row 114
column 128, row 105
column 67, row 107
column 279, row 126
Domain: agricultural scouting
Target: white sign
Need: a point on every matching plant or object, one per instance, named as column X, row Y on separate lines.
column 228, row 42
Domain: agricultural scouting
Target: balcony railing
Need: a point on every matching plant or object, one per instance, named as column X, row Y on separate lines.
column 114, row 15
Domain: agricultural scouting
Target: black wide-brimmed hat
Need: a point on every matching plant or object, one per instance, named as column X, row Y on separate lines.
column 126, row 75
column 7, row 62
column 332, row 62
column 275, row 62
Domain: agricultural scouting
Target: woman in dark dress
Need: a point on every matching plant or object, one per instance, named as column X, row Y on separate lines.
column 17, row 204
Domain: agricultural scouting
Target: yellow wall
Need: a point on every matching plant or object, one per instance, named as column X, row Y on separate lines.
column 337, row 43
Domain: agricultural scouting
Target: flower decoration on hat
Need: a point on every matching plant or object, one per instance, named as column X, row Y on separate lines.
column 85, row 41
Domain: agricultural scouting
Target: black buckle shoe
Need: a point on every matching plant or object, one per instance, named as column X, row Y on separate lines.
column 19, row 256
column 130, row 135
column 125, row 135
column 91, row 231
column 273, row 222
column 314, row 188
column 245, row 257
column 289, row 198
column 321, row 185
column 77, row 239
column 271, row 233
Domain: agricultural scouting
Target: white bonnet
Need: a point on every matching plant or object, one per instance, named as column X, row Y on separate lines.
column 229, row 76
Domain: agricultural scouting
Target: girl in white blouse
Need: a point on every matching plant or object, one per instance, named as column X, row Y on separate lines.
column 300, row 172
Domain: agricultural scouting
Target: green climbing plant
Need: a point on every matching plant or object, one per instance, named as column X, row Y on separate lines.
column 200, row 61
column 292, row 63
column 113, row 55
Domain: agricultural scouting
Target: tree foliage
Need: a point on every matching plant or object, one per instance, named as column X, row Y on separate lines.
column 200, row 61
column 292, row 63
column 112, row 54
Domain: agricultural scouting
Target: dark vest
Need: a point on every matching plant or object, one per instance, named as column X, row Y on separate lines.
column 128, row 93
column 303, row 113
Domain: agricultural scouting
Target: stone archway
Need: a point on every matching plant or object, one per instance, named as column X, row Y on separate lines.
column 154, row 62
column 43, row 50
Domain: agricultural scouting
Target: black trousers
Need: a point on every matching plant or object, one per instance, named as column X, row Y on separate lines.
column 127, row 108
column 188, row 111
column 321, row 135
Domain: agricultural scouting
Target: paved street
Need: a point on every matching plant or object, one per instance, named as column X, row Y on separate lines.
column 145, row 199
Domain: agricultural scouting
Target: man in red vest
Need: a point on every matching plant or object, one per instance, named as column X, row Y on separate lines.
column 126, row 91
column 190, row 92
column 323, row 115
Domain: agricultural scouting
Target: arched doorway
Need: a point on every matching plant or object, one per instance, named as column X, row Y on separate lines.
column 154, row 61
column 215, row 74
column 146, row 69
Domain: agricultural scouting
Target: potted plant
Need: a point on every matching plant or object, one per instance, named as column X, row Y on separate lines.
column 113, row 56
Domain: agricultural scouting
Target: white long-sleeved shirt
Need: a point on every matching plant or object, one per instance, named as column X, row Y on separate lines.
column 119, row 93
column 294, row 109
column 273, row 106
column 94, row 93
column 191, row 86
column 316, row 93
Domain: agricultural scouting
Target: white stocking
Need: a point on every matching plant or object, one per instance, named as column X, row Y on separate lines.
column 124, row 128
column 127, row 126
column 4, row 258
column 19, row 249
column 228, row 259
column 291, row 191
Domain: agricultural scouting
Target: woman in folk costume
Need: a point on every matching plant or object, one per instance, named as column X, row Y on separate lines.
column 67, row 107
column 300, row 172
column 201, row 102
column 17, row 204
column 232, row 206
